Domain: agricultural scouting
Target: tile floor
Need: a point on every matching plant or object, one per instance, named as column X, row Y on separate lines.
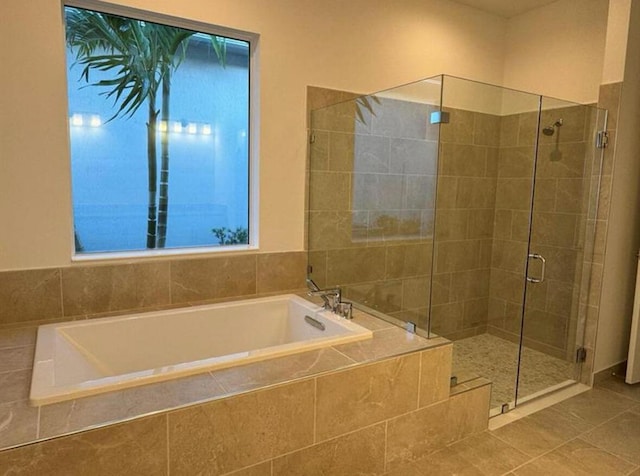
column 594, row 433
column 496, row 359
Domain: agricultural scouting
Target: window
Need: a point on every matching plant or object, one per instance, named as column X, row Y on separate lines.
column 159, row 132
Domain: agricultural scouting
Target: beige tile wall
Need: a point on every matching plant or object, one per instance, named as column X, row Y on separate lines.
column 511, row 222
column 464, row 223
column 598, row 219
column 470, row 275
column 398, row 412
column 371, row 198
column 560, row 211
column 76, row 292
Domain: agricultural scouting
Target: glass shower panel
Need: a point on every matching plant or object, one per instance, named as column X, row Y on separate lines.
column 444, row 203
column 372, row 177
column 485, row 182
column 568, row 170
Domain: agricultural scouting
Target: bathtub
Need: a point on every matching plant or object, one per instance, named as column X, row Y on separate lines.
column 80, row 358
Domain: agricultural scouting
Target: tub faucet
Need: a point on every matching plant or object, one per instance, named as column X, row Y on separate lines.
column 332, row 298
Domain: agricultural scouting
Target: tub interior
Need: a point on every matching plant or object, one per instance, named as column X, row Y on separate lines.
column 132, row 344
column 80, row 357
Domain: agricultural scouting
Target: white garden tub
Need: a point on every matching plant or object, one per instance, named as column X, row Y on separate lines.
column 79, row 358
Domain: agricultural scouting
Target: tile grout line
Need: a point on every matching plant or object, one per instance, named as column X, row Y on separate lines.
column 315, row 410
column 346, row 356
column 616, row 393
column 331, row 439
column 38, row 423
column 534, row 458
column 420, row 380
column 386, row 439
column 61, row 292
column 604, row 449
column 578, row 436
column 170, row 264
column 168, row 444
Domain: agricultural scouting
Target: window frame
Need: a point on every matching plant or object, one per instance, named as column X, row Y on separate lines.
column 253, row 39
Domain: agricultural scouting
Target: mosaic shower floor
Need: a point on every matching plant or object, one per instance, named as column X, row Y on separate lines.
column 496, row 359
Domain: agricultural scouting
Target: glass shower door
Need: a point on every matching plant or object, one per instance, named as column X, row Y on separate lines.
column 483, row 208
column 563, row 215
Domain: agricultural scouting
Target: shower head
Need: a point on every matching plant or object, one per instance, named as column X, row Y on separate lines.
column 549, row 130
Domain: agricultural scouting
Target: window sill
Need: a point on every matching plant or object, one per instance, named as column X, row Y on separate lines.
column 149, row 254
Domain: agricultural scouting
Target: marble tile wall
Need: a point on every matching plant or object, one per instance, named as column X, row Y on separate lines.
column 76, row 292
column 466, row 199
column 511, row 221
column 560, row 212
column 478, row 252
column 400, row 412
column 598, row 222
column 371, row 173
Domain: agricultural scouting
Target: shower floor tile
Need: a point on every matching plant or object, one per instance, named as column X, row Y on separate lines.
column 496, row 359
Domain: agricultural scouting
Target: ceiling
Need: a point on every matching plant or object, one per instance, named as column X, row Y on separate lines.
column 506, row 8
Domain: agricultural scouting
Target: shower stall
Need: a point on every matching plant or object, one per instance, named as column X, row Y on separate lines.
column 468, row 211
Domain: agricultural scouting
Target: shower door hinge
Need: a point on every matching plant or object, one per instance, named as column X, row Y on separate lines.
column 581, row 355
column 439, row 117
column 602, row 139
column 312, row 138
column 309, row 269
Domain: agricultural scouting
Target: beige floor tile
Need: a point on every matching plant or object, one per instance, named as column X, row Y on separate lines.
column 576, row 458
column 481, row 454
column 262, row 469
column 620, row 436
column 542, row 431
column 444, row 463
column 617, row 384
column 595, row 406
column 405, row 470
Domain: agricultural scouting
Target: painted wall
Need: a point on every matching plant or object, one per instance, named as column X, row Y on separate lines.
column 616, row 41
column 623, row 237
column 361, row 45
column 558, row 50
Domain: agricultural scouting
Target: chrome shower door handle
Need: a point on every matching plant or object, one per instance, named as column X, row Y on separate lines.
column 544, row 263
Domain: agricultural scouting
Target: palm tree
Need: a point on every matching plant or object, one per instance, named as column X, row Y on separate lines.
column 143, row 56
column 173, row 41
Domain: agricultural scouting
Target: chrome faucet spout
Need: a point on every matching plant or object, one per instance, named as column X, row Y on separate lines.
column 312, row 285
column 332, row 298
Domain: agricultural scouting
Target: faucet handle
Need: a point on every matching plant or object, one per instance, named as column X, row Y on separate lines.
column 344, row 309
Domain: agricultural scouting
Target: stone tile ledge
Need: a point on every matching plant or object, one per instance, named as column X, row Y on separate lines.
column 21, row 424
